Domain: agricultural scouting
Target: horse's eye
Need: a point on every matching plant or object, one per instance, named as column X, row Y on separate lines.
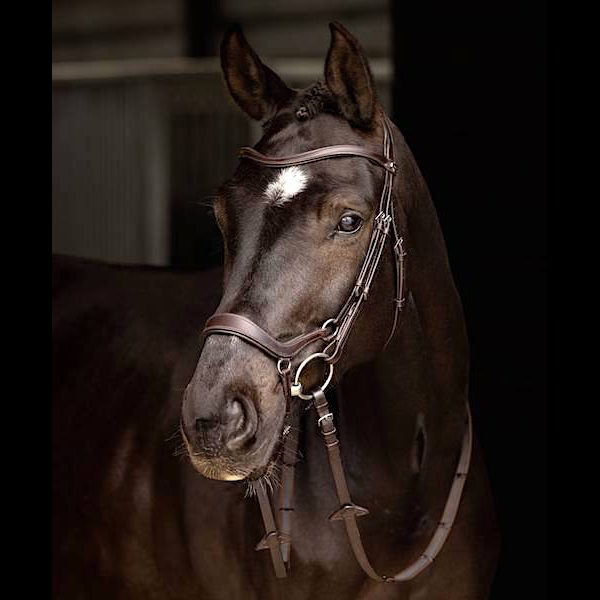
column 350, row 223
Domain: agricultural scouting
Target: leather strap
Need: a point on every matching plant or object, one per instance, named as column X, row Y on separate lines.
column 383, row 225
column 286, row 491
column 277, row 541
column 291, row 432
column 303, row 158
column 400, row 274
column 232, row 324
column 348, row 511
column 272, row 539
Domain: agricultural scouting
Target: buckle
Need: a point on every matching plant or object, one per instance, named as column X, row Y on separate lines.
column 399, row 248
column 383, row 222
column 328, row 416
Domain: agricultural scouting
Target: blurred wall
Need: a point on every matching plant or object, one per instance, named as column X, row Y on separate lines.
column 143, row 130
column 295, row 28
column 114, row 29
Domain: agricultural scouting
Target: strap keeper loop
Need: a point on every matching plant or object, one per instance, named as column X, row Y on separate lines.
column 391, row 166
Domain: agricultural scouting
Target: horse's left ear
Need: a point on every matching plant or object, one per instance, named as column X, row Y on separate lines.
column 257, row 90
column 349, row 77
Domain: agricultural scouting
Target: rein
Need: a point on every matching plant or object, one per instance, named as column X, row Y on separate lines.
column 334, row 334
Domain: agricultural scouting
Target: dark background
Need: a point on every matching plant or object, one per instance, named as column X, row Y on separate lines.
column 469, row 94
column 470, row 97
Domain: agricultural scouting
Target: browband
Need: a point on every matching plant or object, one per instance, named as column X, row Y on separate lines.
column 303, row 158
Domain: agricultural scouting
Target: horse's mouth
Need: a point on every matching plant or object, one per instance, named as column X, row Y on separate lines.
column 220, row 469
column 266, row 476
column 223, row 469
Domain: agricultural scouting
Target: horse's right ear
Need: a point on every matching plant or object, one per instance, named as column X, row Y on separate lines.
column 257, row 90
column 349, row 77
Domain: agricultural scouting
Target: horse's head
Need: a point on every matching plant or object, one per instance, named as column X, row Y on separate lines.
column 295, row 239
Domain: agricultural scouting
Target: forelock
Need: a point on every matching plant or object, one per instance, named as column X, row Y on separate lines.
column 314, row 100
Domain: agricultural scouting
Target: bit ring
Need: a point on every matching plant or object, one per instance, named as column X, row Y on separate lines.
column 297, row 388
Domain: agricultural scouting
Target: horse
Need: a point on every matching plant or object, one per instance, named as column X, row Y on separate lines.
column 130, row 370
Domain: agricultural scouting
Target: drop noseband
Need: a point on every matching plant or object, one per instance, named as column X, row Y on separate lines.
column 333, row 334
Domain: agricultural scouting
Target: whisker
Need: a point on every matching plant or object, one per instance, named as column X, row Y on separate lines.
column 207, row 201
column 176, row 435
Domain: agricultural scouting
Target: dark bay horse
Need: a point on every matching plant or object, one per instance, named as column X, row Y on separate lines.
column 132, row 521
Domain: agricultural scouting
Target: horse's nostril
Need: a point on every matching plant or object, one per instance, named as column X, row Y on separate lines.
column 204, row 425
column 209, row 436
column 241, row 422
column 229, row 429
column 235, row 415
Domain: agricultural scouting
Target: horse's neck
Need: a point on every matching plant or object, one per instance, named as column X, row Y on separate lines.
column 384, row 404
column 437, row 303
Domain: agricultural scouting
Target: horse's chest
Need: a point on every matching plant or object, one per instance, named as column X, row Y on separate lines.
column 316, row 540
column 321, row 544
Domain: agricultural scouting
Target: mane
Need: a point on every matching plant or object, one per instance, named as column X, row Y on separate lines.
column 314, row 100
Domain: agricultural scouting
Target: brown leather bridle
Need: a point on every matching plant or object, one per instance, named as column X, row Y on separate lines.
column 334, row 334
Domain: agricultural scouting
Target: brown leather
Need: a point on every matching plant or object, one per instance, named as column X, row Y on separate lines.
column 232, row 324
column 286, row 490
column 272, row 539
column 339, row 151
column 450, row 510
column 288, row 466
column 278, row 539
column 348, row 511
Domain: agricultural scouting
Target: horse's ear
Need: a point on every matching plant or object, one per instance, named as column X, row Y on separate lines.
column 349, row 77
column 257, row 90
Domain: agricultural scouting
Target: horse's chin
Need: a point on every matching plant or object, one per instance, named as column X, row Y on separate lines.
column 218, row 473
column 225, row 476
